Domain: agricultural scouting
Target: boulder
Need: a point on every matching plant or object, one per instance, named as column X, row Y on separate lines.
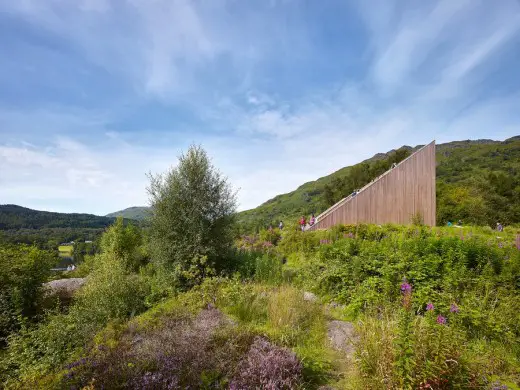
column 342, row 336
column 64, row 288
column 310, row 297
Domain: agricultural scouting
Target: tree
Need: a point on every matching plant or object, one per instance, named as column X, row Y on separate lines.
column 192, row 216
column 124, row 243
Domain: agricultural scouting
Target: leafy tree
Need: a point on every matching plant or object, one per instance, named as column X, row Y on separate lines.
column 124, row 243
column 193, row 210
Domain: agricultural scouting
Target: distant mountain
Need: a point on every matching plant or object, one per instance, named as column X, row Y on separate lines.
column 478, row 181
column 17, row 217
column 138, row 213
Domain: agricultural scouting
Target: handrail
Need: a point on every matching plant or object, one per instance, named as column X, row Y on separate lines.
column 344, row 200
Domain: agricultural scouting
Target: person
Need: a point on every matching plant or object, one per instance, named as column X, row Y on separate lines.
column 500, row 228
column 459, row 223
column 303, row 222
column 280, row 225
column 313, row 220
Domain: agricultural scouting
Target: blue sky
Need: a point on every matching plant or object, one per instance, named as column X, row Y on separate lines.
column 96, row 93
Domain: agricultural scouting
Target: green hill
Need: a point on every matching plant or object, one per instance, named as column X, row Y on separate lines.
column 47, row 229
column 17, row 217
column 477, row 182
column 137, row 213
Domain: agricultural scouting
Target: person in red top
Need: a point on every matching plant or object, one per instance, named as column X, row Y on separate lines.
column 303, row 222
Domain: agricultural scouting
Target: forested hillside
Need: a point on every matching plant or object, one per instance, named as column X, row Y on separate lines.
column 17, row 217
column 478, row 182
column 47, row 229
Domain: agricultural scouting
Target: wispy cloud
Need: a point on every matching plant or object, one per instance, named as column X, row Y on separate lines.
column 444, row 39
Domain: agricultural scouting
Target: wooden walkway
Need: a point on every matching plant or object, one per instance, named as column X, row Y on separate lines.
column 396, row 196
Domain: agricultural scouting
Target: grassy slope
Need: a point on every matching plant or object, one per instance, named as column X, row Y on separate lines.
column 458, row 162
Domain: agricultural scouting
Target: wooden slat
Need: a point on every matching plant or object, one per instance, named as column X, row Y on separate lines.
column 394, row 197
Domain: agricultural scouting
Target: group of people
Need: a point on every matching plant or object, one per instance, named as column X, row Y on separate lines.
column 303, row 221
column 499, row 228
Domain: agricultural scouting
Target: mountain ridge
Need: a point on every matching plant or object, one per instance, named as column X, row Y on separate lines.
column 135, row 212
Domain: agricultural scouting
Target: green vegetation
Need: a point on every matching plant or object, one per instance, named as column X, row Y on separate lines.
column 478, row 182
column 22, row 271
column 179, row 304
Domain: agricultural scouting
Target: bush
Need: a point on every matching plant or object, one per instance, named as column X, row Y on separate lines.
column 182, row 351
column 110, row 293
column 23, row 270
column 124, row 243
column 268, row 269
column 268, row 367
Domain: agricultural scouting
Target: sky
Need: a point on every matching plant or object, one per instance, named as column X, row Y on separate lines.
column 95, row 94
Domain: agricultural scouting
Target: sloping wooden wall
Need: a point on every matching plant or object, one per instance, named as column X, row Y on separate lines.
column 394, row 197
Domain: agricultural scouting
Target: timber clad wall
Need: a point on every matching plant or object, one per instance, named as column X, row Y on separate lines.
column 394, row 197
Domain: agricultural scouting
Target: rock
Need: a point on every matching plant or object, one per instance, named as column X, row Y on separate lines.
column 310, row 297
column 342, row 336
column 64, row 288
column 335, row 305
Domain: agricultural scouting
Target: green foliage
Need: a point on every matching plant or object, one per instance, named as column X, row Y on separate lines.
column 268, row 269
column 192, row 217
column 125, row 243
column 22, row 271
column 112, row 293
column 270, row 235
column 476, row 270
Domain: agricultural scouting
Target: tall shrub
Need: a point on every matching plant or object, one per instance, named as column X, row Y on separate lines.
column 193, row 208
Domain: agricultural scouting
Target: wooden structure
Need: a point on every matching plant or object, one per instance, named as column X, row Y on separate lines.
column 405, row 191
